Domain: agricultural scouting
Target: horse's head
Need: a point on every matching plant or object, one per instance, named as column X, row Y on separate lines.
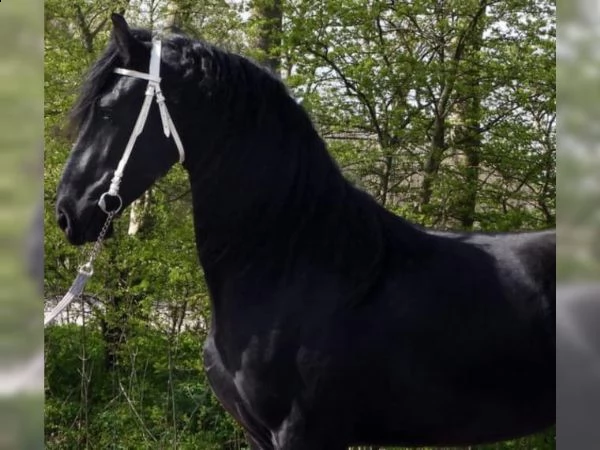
column 104, row 118
column 239, row 119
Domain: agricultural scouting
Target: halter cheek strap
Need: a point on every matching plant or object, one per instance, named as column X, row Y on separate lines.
column 153, row 90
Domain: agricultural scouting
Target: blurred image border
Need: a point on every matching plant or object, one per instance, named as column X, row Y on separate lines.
column 21, row 193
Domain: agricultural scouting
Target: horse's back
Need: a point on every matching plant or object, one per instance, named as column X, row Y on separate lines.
column 466, row 345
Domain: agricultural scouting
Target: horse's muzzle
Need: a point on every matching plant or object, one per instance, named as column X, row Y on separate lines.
column 77, row 233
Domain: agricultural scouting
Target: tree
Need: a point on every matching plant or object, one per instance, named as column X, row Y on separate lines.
column 395, row 82
column 267, row 18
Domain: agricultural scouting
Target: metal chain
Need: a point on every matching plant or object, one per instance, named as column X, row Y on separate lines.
column 88, row 268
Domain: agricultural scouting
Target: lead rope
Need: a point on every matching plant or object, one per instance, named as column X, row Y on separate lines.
column 86, row 270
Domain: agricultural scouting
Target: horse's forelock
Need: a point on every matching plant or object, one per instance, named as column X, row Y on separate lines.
column 95, row 80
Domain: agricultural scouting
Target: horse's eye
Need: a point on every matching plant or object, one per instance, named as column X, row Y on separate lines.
column 105, row 113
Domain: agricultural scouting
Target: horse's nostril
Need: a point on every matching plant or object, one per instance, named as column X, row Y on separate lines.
column 63, row 220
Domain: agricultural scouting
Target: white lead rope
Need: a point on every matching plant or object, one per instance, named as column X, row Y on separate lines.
column 84, row 273
column 153, row 89
column 74, row 291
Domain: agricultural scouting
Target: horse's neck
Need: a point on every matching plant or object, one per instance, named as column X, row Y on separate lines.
column 322, row 248
column 273, row 204
column 252, row 210
column 261, row 180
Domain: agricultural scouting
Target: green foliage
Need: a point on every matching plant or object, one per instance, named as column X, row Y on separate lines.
column 438, row 99
column 157, row 397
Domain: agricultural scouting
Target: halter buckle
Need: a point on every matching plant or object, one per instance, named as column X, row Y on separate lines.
column 105, row 207
column 86, row 269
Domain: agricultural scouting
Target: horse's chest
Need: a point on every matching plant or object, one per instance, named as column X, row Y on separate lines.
column 260, row 374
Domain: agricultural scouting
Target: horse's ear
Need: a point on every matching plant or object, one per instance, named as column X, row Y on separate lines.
column 127, row 44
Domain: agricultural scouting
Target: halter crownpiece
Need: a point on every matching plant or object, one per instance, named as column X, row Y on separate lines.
column 153, row 89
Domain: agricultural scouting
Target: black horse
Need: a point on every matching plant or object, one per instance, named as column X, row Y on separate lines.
column 334, row 322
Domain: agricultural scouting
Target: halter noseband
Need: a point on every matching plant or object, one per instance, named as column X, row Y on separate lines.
column 153, row 89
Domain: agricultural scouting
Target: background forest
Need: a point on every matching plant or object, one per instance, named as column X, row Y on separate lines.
column 443, row 110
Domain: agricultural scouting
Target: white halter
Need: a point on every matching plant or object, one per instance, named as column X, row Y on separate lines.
column 152, row 90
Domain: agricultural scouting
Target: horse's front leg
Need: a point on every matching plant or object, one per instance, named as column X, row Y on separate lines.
column 318, row 433
column 222, row 385
column 253, row 443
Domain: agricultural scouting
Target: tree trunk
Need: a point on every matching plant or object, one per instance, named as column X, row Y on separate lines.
column 269, row 17
column 469, row 143
column 450, row 55
column 137, row 213
column 174, row 15
column 385, row 179
column 468, row 134
column 112, row 332
column 434, row 159
column 468, row 201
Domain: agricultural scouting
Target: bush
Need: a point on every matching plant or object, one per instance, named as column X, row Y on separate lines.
column 133, row 405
